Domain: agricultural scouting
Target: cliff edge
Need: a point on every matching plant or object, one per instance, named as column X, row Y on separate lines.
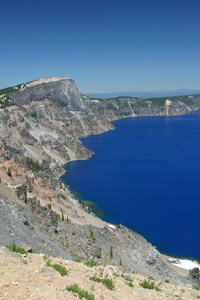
column 61, row 91
column 40, row 124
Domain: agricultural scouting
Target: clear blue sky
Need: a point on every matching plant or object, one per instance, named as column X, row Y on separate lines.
column 105, row 46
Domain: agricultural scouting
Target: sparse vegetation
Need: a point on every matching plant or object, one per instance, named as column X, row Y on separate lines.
column 54, row 219
column 151, row 278
column 82, row 293
column 147, row 284
column 77, row 196
column 46, row 256
column 157, row 288
column 107, row 282
column 91, row 234
column 34, row 114
column 6, row 102
column 62, row 196
column 13, row 248
column 127, row 278
column 76, row 258
column 10, row 89
column 160, row 101
column 110, row 106
column 129, row 284
column 90, row 263
column 58, row 268
column 26, row 222
column 195, row 287
column 33, row 165
column 9, row 172
column 195, row 274
column 73, row 232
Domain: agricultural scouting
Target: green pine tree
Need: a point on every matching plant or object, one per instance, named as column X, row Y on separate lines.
column 9, row 172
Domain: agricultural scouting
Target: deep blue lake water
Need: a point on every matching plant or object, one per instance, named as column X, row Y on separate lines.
column 145, row 174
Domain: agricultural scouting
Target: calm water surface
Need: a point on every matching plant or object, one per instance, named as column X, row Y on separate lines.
column 145, row 174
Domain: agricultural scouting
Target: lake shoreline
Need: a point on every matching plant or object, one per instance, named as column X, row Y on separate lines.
column 103, row 211
column 180, row 264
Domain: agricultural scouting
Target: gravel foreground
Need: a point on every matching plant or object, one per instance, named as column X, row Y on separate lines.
column 27, row 276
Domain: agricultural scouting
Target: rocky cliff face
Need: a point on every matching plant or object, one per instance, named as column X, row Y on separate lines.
column 61, row 91
column 51, row 115
column 37, row 137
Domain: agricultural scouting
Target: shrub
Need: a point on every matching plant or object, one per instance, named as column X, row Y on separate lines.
column 147, row 284
column 151, row 278
column 127, row 278
column 107, row 282
column 13, row 248
column 54, row 219
column 26, row 222
column 9, row 172
column 91, row 234
column 46, row 256
column 90, row 263
column 196, row 287
column 58, row 268
column 130, row 284
column 76, row 257
column 62, row 196
column 82, row 293
column 166, row 281
column 157, row 288
column 34, row 114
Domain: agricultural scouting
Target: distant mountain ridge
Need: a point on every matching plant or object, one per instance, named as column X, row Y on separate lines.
column 144, row 95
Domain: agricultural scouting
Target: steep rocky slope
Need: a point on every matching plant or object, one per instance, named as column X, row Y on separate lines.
column 61, row 91
column 29, row 277
column 51, row 115
column 40, row 126
column 72, row 235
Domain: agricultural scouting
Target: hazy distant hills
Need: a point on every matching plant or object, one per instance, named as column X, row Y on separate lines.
column 147, row 94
